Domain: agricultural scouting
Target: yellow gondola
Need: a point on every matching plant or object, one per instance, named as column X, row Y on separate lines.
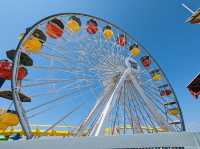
column 155, row 74
column 74, row 24
column 107, row 32
column 8, row 118
column 134, row 49
column 173, row 111
column 35, row 42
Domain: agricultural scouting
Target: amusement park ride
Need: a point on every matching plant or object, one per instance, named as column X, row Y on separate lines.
column 84, row 71
column 75, row 57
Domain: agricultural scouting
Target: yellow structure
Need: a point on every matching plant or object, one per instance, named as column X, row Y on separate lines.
column 37, row 133
column 8, row 119
column 107, row 131
column 32, row 44
column 135, row 51
column 173, row 111
column 107, row 33
column 73, row 25
column 156, row 77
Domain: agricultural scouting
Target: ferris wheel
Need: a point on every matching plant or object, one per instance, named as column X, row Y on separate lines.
column 84, row 71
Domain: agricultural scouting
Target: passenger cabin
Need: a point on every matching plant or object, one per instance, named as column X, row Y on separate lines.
column 24, row 58
column 8, row 118
column 74, row 24
column 194, row 86
column 92, row 26
column 165, row 90
column 6, row 71
column 156, row 75
column 34, row 43
column 55, row 28
column 172, row 108
column 121, row 40
column 146, row 61
column 131, row 62
column 107, row 32
column 134, row 49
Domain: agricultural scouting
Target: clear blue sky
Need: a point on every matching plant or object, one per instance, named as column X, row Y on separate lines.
column 157, row 24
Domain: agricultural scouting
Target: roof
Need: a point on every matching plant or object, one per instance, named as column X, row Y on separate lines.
column 196, row 79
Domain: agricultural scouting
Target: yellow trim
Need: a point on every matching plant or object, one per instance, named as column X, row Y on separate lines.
column 37, row 133
column 108, row 130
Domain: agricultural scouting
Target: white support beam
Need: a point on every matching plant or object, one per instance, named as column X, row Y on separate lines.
column 107, row 108
column 186, row 7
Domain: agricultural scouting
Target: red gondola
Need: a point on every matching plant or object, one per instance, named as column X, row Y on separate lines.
column 165, row 90
column 6, row 71
column 121, row 40
column 195, row 18
column 55, row 28
column 92, row 26
column 146, row 61
column 194, row 86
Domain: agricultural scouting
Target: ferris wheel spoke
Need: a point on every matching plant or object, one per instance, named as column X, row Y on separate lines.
column 49, row 108
column 62, row 60
column 155, row 96
column 154, row 93
column 133, row 99
column 53, row 47
column 74, row 91
column 134, row 121
column 142, row 116
column 64, row 117
column 145, row 115
column 54, row 69
column 71, row 80
column 146, row 110
column 156, row 105
column 56, row 79
column 93, row 52
column 86, row 58
column 57, row 90
column 150, row 114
